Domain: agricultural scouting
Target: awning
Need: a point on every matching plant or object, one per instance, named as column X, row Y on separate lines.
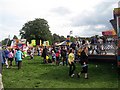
column 109, row 33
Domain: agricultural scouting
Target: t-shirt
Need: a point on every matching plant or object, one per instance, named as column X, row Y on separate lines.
column 10, row 55
column 71, row 57
column 18, row 55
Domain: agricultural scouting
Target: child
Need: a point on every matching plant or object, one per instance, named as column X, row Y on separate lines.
column 32, row 53
column 18, row 57
column 71, row 59
column 57, row 57
column 84, row 62
column 10, row 57
column 53, row 57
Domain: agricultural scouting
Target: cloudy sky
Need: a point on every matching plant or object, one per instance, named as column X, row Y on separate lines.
column 83, row 17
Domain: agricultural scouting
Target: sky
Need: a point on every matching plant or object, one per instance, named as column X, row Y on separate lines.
column 84, row 18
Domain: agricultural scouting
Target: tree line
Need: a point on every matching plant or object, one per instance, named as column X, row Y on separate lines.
column 37, row 29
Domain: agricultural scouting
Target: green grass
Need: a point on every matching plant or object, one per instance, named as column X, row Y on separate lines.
column 34, row 74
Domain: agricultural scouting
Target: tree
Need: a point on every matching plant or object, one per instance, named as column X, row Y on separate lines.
column 6, row 41
column 62, row 38
column 37, row 29
column 15, row 37
column 56, row 38
column 72, row 39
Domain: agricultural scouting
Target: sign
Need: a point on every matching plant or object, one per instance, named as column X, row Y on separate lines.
column 46, row 43
column 40, row 42
column 116, row 11
column 109, row 32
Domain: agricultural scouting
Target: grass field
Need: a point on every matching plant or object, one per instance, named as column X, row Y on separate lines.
column 34, row 74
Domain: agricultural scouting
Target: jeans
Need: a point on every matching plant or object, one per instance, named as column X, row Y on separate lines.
column 72, row 68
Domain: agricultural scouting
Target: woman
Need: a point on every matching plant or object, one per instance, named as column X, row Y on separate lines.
column 84, row 62
column 71, row 59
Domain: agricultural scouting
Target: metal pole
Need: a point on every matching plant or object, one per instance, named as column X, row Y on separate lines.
column 118, row 43
column 8, row 40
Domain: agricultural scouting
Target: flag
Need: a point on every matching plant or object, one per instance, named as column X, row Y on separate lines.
column 71, row 32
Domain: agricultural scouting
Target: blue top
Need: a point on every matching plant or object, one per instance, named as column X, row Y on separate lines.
column 6, row 53
column 18, row 55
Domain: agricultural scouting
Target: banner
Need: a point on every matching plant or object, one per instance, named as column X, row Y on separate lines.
column 33, row 42
column 46, row 43
column 116, row 11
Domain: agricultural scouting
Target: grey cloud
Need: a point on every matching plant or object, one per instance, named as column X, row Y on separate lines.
column 101, row 16
column 90, row 31
column 61, row 11
column 10, row 20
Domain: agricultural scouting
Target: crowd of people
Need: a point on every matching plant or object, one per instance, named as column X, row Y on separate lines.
column 68, row 56
column 8, row 55
column 59, row 55
column 62, row 55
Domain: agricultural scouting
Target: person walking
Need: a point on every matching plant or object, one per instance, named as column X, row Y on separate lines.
column 44, row 54
column 6, row 52
column 53, row 57
column 71, row 59
column 18, row 57
column 10, row 57
column 57, row 56
column 84, row 62
column 38, row 50
column 63, row 55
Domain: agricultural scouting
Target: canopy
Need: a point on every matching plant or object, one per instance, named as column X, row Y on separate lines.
column 62, row 43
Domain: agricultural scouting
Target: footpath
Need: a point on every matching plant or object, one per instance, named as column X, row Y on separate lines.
column 1, row 84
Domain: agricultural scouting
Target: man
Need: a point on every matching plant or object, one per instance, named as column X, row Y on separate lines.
column 1, row 61
column 44, row 54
